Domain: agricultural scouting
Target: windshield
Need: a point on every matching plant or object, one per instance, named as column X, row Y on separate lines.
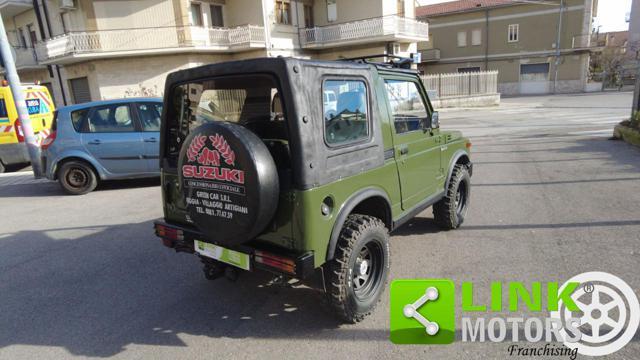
column 252, row 101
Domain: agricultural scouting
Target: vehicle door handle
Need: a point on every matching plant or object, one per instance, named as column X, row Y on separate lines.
column 95, row 142
column 151, row 140
column 404, row 150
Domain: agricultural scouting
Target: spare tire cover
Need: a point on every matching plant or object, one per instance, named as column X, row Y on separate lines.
column 229, row 182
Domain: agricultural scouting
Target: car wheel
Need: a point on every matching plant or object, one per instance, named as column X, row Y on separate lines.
column 356, row 277
column 77, row 177
column 450, row 211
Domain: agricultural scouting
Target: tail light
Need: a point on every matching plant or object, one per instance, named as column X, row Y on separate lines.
column 18, row 127
column 48, row 141
column 285, row 264
column 169, row 234
column 468, row 145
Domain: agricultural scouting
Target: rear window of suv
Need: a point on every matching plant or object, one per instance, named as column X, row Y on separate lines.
column 252, row 101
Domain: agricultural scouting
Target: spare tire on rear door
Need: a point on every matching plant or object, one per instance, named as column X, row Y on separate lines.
column 229, row 181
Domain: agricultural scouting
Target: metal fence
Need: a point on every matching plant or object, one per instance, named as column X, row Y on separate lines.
column 462, row 84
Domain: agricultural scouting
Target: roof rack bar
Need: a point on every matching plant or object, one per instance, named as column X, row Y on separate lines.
column 401, row 62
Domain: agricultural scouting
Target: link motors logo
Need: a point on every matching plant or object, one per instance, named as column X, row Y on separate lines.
column 209, row 160
column 594, row 313
column 609, row 313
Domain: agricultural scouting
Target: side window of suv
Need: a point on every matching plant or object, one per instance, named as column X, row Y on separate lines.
column 407, row 107
column 110, row 118
column 346, row 120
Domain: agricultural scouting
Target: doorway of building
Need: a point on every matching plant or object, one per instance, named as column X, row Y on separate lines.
column 534, row 78
column 80, row 90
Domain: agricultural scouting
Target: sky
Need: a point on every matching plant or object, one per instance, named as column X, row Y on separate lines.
column 611, row 13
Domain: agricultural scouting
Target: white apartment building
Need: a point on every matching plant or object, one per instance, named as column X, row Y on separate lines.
column 91, row 50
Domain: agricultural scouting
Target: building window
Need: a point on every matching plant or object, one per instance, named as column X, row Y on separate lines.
column 33, row 38
column 80, row 90
column 63, row 23
column 476, row 37
column 332, row 10
column 400, row 8
column 216, row 16
column 308, row 16
column 283, row 12
column 462, row 38
column 513, row 32
column 196, row 14
column 470, row 69
column 21, row 38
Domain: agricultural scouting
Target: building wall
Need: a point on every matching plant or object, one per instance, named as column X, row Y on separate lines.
column 349, row 10
column 241, row 12
column 134, row 14
column 143, row 76
column 532, row 36
column 537, row 36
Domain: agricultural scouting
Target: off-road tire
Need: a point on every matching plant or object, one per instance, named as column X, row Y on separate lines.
column 77, row 177
column 359, row 232
column 447, row 213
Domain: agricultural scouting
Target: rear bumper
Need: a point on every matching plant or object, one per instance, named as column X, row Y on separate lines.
column 262, row 256
column 15, row 153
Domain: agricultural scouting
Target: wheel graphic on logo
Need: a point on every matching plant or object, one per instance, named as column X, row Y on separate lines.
column 609, row 307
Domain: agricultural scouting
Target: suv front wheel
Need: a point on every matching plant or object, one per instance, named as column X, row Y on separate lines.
column 450, row 211
column 356, row 277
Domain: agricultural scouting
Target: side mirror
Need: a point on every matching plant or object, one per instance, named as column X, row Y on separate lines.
column 435, row 120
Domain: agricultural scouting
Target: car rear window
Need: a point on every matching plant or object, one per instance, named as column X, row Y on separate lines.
column 252, row 101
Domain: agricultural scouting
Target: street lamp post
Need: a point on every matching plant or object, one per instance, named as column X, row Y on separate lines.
column 18, row 99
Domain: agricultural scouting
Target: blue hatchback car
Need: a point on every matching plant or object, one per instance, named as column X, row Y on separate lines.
column 103, row 140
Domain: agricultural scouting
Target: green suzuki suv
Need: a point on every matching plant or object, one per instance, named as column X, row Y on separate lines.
column 302, row 168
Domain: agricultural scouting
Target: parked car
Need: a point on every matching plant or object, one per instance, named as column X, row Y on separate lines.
column 103, row 140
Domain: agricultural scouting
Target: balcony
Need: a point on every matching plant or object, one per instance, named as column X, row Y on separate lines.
column 25, row 59
column 430, row 55
column 85, row 45
column 380, row 29
column 10, row 8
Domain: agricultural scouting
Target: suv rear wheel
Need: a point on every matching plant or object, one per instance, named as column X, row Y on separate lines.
column 357, row 275
column 77, row 177
column 450, row 211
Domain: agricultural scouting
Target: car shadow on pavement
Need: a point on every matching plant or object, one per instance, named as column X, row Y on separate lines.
column 418, row 226
column 52, row 188
column 95, row 290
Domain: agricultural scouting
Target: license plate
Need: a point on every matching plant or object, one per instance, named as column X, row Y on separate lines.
column 224, row 255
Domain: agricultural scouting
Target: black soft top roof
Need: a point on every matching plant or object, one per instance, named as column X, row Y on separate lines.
column 278, row 65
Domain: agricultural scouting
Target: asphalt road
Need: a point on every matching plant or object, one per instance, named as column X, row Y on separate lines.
column 552, row 198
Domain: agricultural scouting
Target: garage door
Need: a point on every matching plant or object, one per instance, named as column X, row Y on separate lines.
column 534, row 78
column 80, row 90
